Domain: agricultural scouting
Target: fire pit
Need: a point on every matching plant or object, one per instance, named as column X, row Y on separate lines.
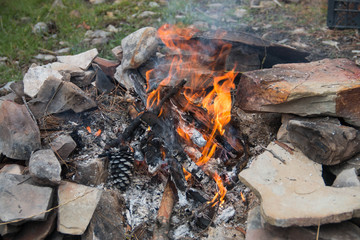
column 155, row 147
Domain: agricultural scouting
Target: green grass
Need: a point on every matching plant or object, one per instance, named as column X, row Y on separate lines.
column 20, row 44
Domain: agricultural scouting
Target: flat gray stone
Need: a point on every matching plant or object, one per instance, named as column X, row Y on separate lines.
column 138, row 47
column 258, row 229
column 35, row 77
column 347, row 178
column 294, row 194
column 68, row 97
column 19, row 133
column 63, row 145
column 81, row 202
column 45, row 168
column 19, row 199
column 81, row 60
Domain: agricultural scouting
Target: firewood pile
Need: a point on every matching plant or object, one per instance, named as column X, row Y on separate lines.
column 187, row 135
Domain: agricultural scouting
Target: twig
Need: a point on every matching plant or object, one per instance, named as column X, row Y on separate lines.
column 274, row 154
column 23, row 181
column 285, row 146
column 162, row 225
column 49, row 210
column 318, row 231
column 27, row 107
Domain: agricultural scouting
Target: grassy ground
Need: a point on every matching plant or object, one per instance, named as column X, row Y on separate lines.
column 19, row 44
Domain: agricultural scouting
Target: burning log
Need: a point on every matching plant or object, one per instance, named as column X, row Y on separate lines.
column 168, row 200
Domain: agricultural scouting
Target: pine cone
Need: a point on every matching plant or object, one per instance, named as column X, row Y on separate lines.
column 121, row 163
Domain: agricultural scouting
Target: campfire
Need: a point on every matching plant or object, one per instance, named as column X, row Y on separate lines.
column 159, row 140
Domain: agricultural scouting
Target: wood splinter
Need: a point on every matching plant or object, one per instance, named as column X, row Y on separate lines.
column 162, row 223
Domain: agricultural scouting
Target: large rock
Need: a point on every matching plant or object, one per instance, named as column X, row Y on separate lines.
column 35, row 77
column 77, row 205
column 81, row 60
column 324, row 142
column 138, row 47
column 107, row 221
column 56, row 96
column 258, row 229
column 19, row 134
column 19, row 199
column 44, row 167
column 326, row 87
column 295, row 193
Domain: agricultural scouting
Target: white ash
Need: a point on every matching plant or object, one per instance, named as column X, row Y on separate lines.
column 182, row 232
column 142, row 200
column 182, row 199
column 225, row 215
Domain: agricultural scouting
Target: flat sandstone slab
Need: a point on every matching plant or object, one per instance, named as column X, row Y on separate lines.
column 294, row 194
column 77, row 205
column 327, row 87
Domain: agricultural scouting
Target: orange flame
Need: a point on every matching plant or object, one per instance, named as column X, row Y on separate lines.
column 88, row 129
column 206, row 58
column 183, row 134
column 242, row 197
column 98, row 133
column 221, row 192
column 187, row 174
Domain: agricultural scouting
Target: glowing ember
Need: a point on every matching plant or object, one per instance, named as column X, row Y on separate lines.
column 98, row 133
column 88, row 129
column 242, row 197
column 220, row 195
column 187, row 174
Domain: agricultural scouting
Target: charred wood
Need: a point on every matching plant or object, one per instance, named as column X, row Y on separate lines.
column 162, row 225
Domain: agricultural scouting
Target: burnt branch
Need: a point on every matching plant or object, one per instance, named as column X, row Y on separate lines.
column 162, row 224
